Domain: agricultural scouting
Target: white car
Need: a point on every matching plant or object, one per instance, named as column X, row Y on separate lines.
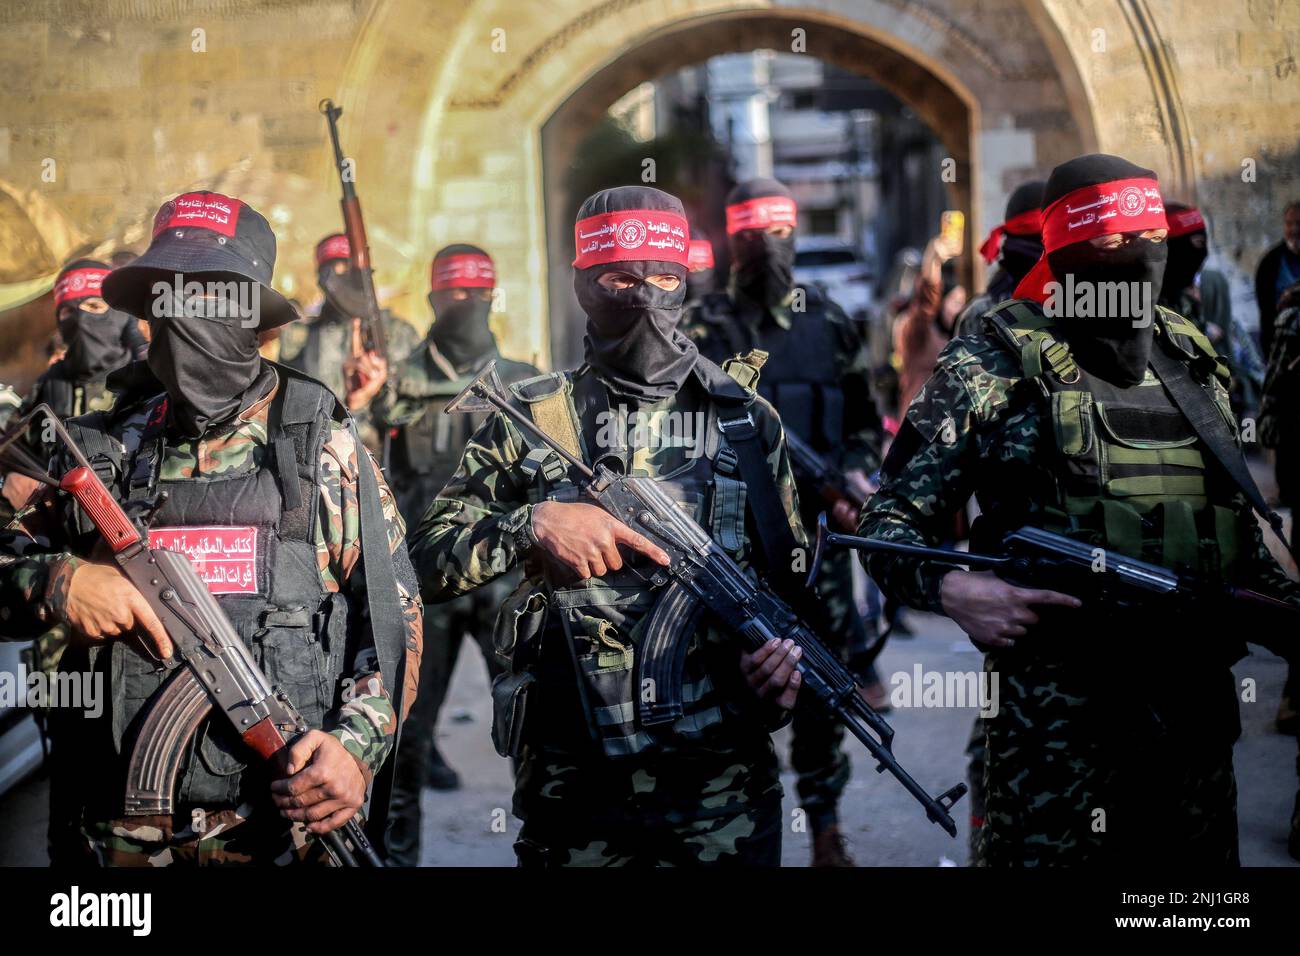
column 839, row 269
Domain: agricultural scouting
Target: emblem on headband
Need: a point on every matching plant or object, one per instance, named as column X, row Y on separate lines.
column 631, row 234
column 164, row 214
column 1132, row 202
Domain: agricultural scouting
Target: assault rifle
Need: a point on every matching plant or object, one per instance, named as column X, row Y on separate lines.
column 813, row 469
column 213, row 671
column 372, row 323
column 703, row 577
column 1108, row 580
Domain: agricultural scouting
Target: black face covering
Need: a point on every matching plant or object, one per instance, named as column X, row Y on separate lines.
column 95, row 343
column 763, row 266
column 633, row 343
column 344, row 298
column 211, row 370
column 1186, row 256
column 1113, row 347
column 1019, row 254
column 460, row 329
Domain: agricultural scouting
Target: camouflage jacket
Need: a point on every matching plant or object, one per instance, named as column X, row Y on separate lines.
column 468, row 536
column 972, row 431
column 720, row 332
column 1279, row 409
column 68, row 399
column 36, row 571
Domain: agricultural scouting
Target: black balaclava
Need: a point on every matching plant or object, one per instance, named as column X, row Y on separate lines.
column 633, row 343
column 1020, row 253
column 762, row 266
column 699, row 282
column 210, row 367
column 1186, row 256
column 96, row 343
column 1115, row 348
column 344, row 297
column 460, row 329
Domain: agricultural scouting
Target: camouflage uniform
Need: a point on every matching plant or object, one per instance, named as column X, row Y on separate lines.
column 1083, row 766
column 44, row 549
column 841, row 402
column 594, row 787
column 426, row 447
column 323, row 347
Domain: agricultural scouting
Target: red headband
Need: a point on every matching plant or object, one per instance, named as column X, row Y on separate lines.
column 333, row 247
column 1105, row 209
column 630, row 235
column 464, row 270
column 760, row 213
column 202, row 210
column 700, row 255
column 1184, row 221
column 79, row 284
column 1027, row 223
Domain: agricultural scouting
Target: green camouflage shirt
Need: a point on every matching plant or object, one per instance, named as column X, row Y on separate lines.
column 973, row 437
column 33, row 586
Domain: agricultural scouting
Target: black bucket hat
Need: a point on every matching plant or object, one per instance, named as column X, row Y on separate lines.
column 203, row 236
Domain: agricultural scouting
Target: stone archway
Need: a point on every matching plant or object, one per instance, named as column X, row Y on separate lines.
column 474, row 160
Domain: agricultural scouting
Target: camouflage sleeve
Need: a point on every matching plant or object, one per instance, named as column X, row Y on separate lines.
column 34, row 572
column 863, row 429
column 466, row 538
column 773, row 437
column 927, row 476
column 366, row 723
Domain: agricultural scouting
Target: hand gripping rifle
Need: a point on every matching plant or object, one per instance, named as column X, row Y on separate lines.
column 815, row 470
column 213, row 671
column 703, row 577
column 1108, row 580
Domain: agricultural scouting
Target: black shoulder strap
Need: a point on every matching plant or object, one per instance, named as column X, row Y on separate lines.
column 1207, row 421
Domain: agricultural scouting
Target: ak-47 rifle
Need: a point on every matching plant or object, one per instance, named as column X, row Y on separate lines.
column 703, row 577
column 372, row 323
column 1106, row 580
column 213, row 671
column 814, row 470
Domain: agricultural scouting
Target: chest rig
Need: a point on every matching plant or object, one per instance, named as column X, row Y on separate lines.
column 602, row 619
column 800, row 378
column 1131, row 473
column 249, row 530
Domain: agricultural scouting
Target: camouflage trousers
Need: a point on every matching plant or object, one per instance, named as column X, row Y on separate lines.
column 229, row 837
column 1132, row 766
column 817, row 743
column 975, row 765
column 714, row 808
column 445, row 627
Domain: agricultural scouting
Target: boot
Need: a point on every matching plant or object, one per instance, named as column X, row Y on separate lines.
column 830, row 848
column 441, row 775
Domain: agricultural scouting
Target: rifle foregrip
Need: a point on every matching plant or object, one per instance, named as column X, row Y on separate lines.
column 101, row 507
column 355, row 227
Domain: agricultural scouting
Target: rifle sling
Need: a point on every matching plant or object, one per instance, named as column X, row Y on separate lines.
column 1208, row 423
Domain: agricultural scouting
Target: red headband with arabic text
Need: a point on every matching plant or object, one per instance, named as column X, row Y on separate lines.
column 1027, row 223
column 1183, row 221
column 333, row 247
column 1104, row 209
column 77, row 284
column 649, row 235
column 199, row 210
column 700, row 255
column 761, row 212
column 463, row 270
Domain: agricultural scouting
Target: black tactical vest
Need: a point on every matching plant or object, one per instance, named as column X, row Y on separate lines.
column 799, row 378
column 252, row 530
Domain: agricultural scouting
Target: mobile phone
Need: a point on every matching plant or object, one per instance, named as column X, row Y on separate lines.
column 952, row 227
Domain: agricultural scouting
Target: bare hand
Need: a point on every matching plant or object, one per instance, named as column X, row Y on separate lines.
column 583, row 539
column 18, row 489
column 991, row 611
column 101, row 605
column 860, row 483
column 323, row 787
column 845, row 514
column 366, row 372
column 770, row 672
